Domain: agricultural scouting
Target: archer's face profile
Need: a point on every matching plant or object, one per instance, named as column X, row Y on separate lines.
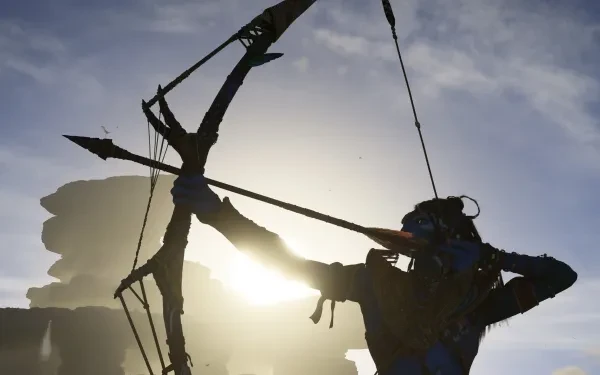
column 420, row 224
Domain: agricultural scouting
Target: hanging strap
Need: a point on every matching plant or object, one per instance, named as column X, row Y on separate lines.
column 316, row 316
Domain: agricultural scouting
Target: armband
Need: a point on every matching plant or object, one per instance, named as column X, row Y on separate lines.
column 524, row 293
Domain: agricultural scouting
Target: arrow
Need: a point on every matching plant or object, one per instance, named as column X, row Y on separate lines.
column 105, row 148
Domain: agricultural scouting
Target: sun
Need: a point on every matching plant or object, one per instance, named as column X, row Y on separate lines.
column 260, row 285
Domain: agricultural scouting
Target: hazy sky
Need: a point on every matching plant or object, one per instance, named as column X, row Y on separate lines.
column 506, row 92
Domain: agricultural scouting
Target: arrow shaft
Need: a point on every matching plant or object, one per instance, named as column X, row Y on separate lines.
column 272, row 201
column 105, row 148
column 120, row 153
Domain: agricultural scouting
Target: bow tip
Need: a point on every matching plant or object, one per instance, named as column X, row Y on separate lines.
column 265, row 58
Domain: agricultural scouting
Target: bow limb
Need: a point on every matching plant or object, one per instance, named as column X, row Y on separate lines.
column 170, row 119
column 167, row 264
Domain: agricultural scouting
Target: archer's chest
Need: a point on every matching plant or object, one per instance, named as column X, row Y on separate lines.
column 418, row 310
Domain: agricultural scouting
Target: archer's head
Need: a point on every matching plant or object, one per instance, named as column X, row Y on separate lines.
column 442, row 218
column 437, row 220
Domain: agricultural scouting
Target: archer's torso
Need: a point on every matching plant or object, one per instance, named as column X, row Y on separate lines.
column 441, row 358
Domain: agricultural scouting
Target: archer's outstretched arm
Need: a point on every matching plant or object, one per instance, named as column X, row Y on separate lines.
column 335, row 281
column 541, row 278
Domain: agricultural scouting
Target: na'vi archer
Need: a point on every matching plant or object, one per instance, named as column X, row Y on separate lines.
column 429, row 320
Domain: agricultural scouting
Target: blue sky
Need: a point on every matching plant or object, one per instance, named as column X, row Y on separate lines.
column 506, row 92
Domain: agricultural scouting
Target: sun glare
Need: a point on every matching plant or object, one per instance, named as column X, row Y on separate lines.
column 263, row 286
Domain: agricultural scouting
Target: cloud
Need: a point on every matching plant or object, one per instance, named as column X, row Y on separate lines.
column 562, row 323
column 42, row 75
column 14, row 37
column 342, row 43
column 593, row 353
column 484, row 49
column 45, row 59
column 183, row 17
column 22, row 44
column 447, row 68
column 301, row 64
column 342, row 70
column 560, row 95
column 570, row 370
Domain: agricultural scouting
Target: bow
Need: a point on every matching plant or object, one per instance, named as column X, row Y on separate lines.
column 167, row 264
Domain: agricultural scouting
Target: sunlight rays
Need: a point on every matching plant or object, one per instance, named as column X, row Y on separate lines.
column 260, row 285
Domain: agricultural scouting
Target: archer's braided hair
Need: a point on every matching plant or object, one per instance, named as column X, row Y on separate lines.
column 460, row 226
column 450, row 211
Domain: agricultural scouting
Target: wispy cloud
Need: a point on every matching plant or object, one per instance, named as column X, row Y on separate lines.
column 343, row 43
column 486, row 49
column 182, row 17
column 594, row 352
column 562, row 323
column 302, row 64
column 46, row 60
column 15, row 38
column 22, row 45
column 571, row 370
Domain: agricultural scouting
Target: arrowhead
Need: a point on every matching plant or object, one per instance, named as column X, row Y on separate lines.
column 104, row 148
column 81, row 141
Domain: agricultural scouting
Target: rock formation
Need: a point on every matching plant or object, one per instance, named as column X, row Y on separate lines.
column 92, row 230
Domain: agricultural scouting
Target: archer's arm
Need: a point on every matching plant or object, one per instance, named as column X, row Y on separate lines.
column 335, row 281
column 540, row 278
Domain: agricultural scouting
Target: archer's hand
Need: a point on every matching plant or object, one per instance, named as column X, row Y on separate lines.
column 465, row 254
column 194, row 192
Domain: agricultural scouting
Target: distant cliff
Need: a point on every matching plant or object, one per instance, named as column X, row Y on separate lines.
column 92, row 230
column 89, row 341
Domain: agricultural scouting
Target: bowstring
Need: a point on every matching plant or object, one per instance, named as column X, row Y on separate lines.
column 389, row 14
column 157, row 154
